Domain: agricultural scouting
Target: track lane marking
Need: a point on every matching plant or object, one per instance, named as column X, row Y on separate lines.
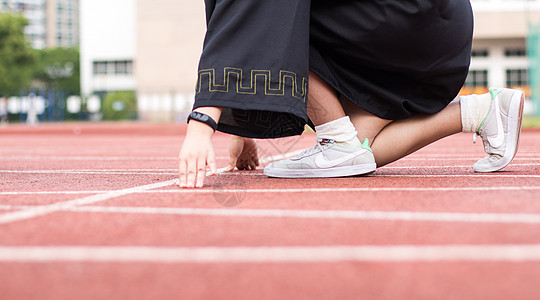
column 88, row 158
column 504, row 218
column 47, row 209
column 42, row 210
column 271, row 158
column 298, row 254
column 96, row 172
column 292, row 190
column 175, row 172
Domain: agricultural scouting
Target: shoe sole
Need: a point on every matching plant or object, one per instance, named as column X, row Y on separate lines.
column 322, row 173
column 515, row 118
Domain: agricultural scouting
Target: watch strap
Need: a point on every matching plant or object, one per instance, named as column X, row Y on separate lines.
column 203, row 118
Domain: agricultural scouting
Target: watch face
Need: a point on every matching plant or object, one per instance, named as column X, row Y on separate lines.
column 199, row 116
column 203, row 118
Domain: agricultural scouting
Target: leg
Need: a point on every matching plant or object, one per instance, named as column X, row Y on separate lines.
column 400, row 138
column 387, row 138
column 392, row 140
column 323, row 104
column 338, row 151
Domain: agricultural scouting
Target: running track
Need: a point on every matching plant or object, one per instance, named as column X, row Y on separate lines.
column 91, row 211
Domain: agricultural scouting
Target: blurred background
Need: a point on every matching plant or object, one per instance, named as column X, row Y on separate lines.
column 96, row 60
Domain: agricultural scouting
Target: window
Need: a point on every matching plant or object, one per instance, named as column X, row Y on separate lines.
column 515, row 52
column 123, row 67
column 100, row 67
column 477, row 78
column 119, row 67
column 517, row 77
column 480, row 53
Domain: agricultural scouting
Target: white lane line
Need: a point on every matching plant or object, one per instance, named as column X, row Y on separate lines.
column 322, row 214
column 292, row 190
column 88, row 158
column 337, row 190
column 452, row 166
column 472, row 159
column 175, row 172
column 470, row 155
column 96, row 172
column 298, row 254
column 88, row 170
column 53, row 193
column 268, row 159
column 55, row 207
column 497, row 175
column 409, row 216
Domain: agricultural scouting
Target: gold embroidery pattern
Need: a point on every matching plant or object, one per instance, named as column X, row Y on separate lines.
column 298, row 91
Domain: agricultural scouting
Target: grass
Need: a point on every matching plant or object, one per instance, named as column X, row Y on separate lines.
column 531, row 121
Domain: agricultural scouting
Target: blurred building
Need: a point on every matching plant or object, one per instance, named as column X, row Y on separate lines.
column 52, row 23
column 62, row 23
column 170, row 34
column 169, row 43
column 107, row 45
column 500, row 43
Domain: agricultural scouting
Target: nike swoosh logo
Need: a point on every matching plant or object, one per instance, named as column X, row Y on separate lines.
column 498, row 140
column 323, row 163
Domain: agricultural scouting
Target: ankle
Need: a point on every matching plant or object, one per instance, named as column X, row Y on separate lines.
column 352, row 143
column 339, row 130
column 474, row 109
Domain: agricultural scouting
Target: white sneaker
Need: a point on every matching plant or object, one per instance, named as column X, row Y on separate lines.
column 326, row 159
column 500, row 129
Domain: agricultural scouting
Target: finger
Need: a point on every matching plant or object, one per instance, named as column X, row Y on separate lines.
column 252, row 165
column 182, row 172
column 241, row 165
column 211, row 162
column 201, row 171
column 232, row 162
column 229, row 168
column 256, row 159
column 235, row 150
column 191, row 172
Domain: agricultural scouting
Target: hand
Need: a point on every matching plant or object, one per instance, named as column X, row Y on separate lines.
column 243, row 154
column 197, row 152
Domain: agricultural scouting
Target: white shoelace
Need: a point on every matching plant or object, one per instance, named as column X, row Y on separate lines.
column 474, row 137
column 319, row 146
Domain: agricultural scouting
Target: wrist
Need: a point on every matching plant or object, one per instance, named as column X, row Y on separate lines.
column 202, row 118
column 199, row 129
column 212, row 112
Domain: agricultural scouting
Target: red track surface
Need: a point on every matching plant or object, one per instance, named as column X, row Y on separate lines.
column 91, row 211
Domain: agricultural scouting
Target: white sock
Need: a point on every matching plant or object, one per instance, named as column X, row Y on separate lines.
column 341, row 131
column 474, row 109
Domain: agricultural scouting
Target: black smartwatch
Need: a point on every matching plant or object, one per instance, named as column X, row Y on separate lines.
column 203, row 118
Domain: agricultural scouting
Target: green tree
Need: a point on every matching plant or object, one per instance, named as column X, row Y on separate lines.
column 58, row 68
column 120, row 105
column 16, row 55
